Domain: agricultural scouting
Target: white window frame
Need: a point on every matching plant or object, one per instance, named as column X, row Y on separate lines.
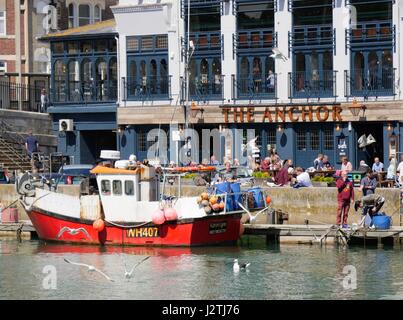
column 99, row 19
column 3, row 69
column 90, row 17
column 4, row 19
column 74, row 16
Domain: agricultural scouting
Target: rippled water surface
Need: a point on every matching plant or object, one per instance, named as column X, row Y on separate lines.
column 286, row 272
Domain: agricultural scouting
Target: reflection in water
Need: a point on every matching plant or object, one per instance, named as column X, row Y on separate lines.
column 280, row 272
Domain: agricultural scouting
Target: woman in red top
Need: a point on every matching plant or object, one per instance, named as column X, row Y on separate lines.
column 345, row 196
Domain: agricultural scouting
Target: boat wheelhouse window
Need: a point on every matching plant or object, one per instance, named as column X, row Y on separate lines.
column 106, row 187
column 117, row 187
column 129, row 188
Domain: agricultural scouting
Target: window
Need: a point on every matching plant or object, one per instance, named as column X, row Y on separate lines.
column 84, row 16
column 2, row 23
column 329, row 144
column 97, row 14
column 271, row 138
column 301, row 140
column 72, row 14
column 3, row 67
column 129, row 188
column 117, row 187
column 106, row 187
column 315, row 139
column 132, row 44
column 142, row 141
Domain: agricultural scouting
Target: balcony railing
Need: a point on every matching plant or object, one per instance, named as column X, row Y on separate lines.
column 254, row 87
column 147, row 88
column 15, row 95
column 84, row 92
column 255, row 39
column 366, row 83
column 371, row 34
column 204, row 41
column 204, row 88
column 321, row 84
column 308, row 36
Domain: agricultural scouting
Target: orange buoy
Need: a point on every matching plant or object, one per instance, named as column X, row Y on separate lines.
column 170, row 214
column 158, row 217
column 98, row 225
column 268, row 200
column 213, row 200
column 222, row 205
column 204, row 196
column 215, row 207
column 241, row 229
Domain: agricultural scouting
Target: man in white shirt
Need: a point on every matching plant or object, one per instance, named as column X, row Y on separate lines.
column 303, row 178
column 377, row 166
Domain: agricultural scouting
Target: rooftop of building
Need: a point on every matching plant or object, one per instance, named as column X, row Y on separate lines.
column 107, row 27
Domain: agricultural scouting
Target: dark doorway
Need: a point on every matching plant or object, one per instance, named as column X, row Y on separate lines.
column 92, row 142
column 369, row 152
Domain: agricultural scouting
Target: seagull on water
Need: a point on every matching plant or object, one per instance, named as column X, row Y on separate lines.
column 242, row 266
column 128, row 274
column 90, row 268
column 277, row 54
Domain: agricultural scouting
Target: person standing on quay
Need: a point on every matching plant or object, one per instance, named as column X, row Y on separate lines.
column 344, row 197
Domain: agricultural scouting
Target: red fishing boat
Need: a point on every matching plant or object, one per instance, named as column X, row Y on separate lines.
column 129, row 209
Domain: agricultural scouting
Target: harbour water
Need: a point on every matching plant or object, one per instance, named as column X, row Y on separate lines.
column 37, row 270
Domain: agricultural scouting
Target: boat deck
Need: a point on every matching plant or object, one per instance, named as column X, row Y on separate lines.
column 322, row 234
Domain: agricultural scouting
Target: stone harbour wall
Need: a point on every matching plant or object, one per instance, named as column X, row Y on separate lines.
column 316, row 204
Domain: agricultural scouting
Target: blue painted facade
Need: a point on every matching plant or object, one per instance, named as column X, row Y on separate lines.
column 84, row 89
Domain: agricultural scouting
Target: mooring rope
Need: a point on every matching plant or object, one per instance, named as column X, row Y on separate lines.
column 128, row 227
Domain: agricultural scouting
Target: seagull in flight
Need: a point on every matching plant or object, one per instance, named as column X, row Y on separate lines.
column 242, row 266
column 128, row 274
column 277, row 54
column 251, row 218
column 90, row 268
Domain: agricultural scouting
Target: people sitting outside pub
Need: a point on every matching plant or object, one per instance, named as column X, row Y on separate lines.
column 303, row 179
column 377, row 166
column 364, row 168
column 236, row 162
column 318, row 162
column 368, row 183
column 391, row 172
column 214, row 161
column 346, row 165
column 275, row 161
column 326, row 164
column 282, row 178
column 229, row 174
column 265, row 166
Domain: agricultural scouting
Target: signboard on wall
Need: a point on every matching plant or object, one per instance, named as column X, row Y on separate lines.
column 342, row 147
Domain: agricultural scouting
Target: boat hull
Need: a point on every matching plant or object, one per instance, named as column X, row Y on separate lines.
column 209, row 230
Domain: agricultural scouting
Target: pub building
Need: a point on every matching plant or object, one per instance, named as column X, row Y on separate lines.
column 334, row 78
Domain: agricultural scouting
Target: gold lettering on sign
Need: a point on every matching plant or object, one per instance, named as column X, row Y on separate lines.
column 226, row 111
column 267, row 115
column 321, row 113
column 308, row 113
column 325, row 113
column 280, row 113
column 291, row 114
column 249, row 114
column 336, row 114
column 237, row 113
